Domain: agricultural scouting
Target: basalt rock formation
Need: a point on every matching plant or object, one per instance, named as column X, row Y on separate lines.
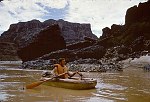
column 72, row 32
column 30, row 36
column 116, row 43
column 8, row 51
column 48, row 40
column 23, row 33
column 137, row 14
column 135, row 34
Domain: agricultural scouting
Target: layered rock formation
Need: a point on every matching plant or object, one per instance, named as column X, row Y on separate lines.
column 116, row 43
column 28, row 36
column 23, row 33
column 135, row 34
column 8, row 51
column 73, row 32
column 138, row 14
column 47, row 40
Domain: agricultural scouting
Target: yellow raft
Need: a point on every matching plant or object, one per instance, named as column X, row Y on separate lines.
column 73, row 83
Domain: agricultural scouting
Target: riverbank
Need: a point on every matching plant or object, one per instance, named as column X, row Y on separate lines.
column 10, row 63
column 84, row 65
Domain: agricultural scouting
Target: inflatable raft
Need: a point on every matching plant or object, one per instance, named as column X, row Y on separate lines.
column 73, row 83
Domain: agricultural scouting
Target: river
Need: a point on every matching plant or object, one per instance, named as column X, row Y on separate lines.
column 131, row 85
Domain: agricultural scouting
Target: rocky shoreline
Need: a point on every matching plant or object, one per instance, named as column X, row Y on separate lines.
column 85, row 65
column 111, row 61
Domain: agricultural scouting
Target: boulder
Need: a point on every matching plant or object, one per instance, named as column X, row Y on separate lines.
column 48, row 40
column 146, row 67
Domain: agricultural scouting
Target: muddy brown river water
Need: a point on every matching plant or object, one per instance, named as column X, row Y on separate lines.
column 131, row 85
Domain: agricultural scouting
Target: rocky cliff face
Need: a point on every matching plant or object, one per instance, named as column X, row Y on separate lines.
column 116, row 43
column 75, row 32
column 138, row 14
column 135, row 34
column 23, row 33
column 30, row 36
column 47, row 40
column 8, row 51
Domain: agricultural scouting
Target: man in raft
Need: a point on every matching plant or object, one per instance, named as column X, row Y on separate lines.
column 61, row 71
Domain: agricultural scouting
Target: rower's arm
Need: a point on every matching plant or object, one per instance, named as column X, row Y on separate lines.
column 71, row 74
column 54, row 71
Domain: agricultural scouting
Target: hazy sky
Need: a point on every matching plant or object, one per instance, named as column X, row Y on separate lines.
column 99, row 13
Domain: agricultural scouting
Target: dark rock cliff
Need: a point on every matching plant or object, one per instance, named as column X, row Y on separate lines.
column 138, row 14
column 30, row 36
column 48, row 40
column 72, row 32
column 8, row 51
column 135, row 34
column 116, row 43
column 23, row 33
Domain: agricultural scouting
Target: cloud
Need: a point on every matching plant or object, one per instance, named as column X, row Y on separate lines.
column 13, row 11
column 59, row 4
column 99, row 13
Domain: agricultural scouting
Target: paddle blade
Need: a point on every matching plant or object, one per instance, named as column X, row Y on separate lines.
column 35, row 84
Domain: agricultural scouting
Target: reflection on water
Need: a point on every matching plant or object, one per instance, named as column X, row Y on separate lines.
column 131, row 85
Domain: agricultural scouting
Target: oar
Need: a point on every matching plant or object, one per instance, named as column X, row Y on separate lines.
column 80, row 75
column 35, row 84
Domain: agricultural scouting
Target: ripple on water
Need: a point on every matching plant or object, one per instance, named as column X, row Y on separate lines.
column 7, row 90
column 11, row 86
column 111, row 91
column 146, row 91
column 3, row 96
column 110, row 86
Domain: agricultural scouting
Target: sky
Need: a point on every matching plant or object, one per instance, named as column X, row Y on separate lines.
column 99, row 13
